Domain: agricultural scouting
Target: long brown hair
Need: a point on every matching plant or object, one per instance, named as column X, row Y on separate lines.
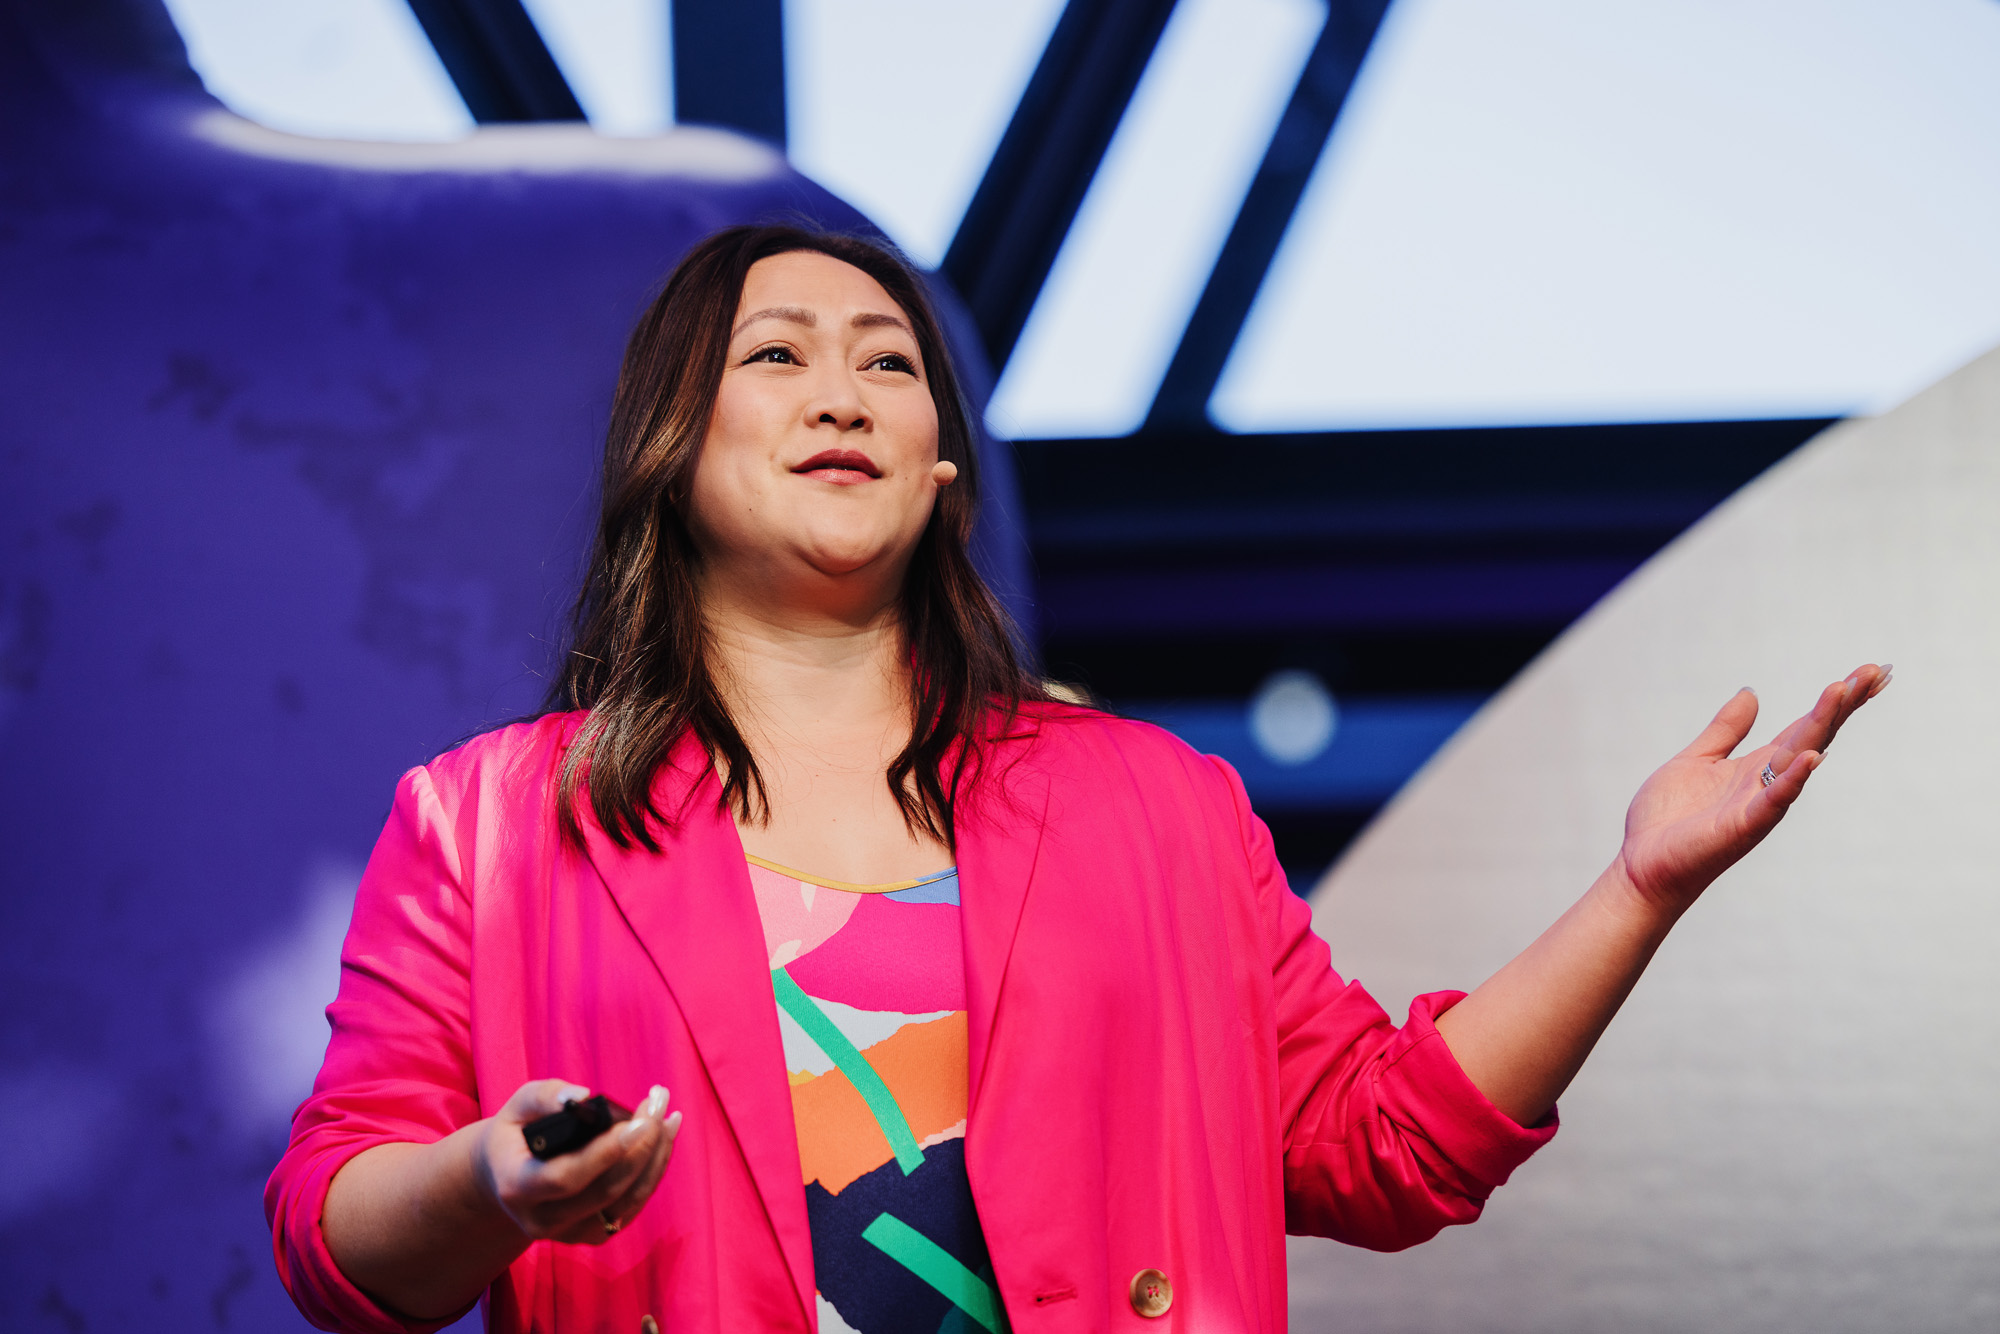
column 638, row 658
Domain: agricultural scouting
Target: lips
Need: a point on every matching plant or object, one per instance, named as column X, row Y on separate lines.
column 839, row 465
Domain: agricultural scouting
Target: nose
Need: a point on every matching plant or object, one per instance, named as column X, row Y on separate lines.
column 836, row 402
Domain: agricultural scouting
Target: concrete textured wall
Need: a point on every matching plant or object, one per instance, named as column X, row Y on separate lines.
column 1791, row 1127
column 297, row 444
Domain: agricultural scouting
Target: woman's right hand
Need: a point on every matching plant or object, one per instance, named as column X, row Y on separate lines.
column 583, row 1197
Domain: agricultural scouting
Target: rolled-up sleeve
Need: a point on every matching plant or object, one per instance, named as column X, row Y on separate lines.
column 1386, row 1139
column 398, row 1066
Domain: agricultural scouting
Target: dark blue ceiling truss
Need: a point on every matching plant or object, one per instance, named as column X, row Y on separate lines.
column 729, row 70
column 501, row 66
column 729, row 65
column 1015, row 225
column 1266, row 211
column 1184, row 562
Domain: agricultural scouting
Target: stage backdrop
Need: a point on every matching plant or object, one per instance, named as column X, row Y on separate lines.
column 1791, row 1127
column 297, row 443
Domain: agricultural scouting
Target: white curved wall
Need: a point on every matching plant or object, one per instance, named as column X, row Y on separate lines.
column 1795, row 1123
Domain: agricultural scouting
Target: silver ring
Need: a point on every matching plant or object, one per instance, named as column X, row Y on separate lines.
column 1768, row 777
column 610, row 1227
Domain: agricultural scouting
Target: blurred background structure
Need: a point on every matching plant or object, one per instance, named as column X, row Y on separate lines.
column 1338, row 355
column 1789, row 1126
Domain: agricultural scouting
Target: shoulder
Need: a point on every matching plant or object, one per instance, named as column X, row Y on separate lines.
column 1063, row 730
column 1071, row 743
column 1098, row 787
column 516, row 760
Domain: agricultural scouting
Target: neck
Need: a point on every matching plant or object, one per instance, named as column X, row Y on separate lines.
column 825, row 676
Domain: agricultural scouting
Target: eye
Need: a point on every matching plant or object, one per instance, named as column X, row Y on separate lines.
column 776, row 354
column 892, row 361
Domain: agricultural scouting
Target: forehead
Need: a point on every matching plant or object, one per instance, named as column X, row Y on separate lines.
column 808, row 280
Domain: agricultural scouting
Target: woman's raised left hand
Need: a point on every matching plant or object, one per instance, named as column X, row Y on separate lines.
column 1704, row 809
column 1523, row 1033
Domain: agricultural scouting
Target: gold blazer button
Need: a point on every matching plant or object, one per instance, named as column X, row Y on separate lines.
column 1151, row 1293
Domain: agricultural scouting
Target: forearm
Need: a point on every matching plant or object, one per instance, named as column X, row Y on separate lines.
column 1522, row 1036
column 413, row 1227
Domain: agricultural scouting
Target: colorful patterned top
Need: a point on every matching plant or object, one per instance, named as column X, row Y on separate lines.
column 870, row 985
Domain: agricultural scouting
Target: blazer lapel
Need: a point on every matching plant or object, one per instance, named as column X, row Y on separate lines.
column 999, row 841
column 693, row 910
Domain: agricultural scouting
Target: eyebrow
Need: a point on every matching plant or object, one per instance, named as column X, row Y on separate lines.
column 790, row 314
column 868, row 320
column 800, row 315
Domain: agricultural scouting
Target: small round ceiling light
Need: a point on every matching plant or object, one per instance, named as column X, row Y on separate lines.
column 1293, row 717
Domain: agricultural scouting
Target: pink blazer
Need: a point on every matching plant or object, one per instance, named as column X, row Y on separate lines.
column 1166, row 1073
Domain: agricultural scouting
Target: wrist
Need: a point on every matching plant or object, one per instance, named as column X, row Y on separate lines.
column 1647, row 914
column 479, row 1190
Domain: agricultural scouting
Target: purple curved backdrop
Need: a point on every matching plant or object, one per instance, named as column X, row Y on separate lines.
column 295, row 469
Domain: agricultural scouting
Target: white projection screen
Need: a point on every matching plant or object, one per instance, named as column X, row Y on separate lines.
column 1794, row 1125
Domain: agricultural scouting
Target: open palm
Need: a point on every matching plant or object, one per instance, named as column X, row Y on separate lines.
column 1703, row 809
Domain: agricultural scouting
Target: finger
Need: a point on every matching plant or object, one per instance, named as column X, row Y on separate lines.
column 539, row 1097
column 589, row 1230
column 604, row 1169
column 1815, row 728
column 1836, row 704
column 660, row 1142
column 1726, row 731
column 1777, row 760
column 598, row 1202
column 609, row 1218
column 1791, row 780
column 1863, row 684
column 663, row 1148
column 564, row 1217
column 583, row 1215
column 627, row 1206
column 570, row 1176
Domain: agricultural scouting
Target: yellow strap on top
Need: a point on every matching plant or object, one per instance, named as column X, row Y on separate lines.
column 824, row 883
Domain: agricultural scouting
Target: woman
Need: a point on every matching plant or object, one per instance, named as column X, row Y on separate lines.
column 1096, row 1089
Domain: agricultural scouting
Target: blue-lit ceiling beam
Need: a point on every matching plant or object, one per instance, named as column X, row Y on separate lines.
column 729, row 65
column 1267, row 209
column 498, row 60
column 1015, row 225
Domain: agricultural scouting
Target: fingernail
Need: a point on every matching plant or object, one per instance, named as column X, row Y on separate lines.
column 574, row 1093
column 656, row 1102
column 1748, row 690
column 673, row 1125
column 1888, row 667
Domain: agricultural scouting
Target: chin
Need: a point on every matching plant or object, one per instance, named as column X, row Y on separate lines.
column 838, row 548
column 837, row 554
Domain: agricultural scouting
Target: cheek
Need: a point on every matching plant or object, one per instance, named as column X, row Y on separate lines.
column 743, row 419
column 709, row 503
column 914, row 426
column 724, row 490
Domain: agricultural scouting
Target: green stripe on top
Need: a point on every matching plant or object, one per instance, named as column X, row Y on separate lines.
column 938, row 1267
column 849, row 1061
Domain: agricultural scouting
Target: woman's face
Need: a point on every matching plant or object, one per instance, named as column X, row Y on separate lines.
column 818, row 459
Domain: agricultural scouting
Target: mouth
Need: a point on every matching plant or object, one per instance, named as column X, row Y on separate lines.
column 844, row 466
